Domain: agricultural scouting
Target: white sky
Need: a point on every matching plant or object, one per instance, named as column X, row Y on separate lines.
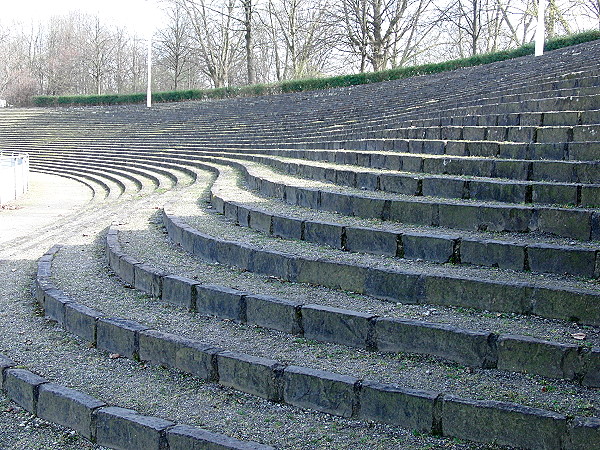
column 134, row 14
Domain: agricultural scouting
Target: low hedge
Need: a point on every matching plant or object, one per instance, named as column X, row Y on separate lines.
column 314, row 83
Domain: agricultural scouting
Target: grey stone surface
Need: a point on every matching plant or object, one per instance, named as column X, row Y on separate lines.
column 592, row 368
column 391, row 285
column 231, row 253
column 81, row 321
column 5, row 363
column 271, row 263
column 428, row 247
column 340, row 326
column 472, row 348
column 323, row 233
column 570, row 223
column 126, row 270
column 394, row 405
column 148, row 279
column 584, row 433
column 573, row 306
column 220, row 301
column 287, row 227
column 502, row 423
column 274, row 313
column 503, row 255
column 250, row 374
column 331, row 274
column 21, row 386
column 555, row 259
column 184, row 437
column 369, row 240
column 179, row 291
column 118, row 336
column 526, row 354
column 126, row 429
column 174, row 351
column 54, row 305
column 68, row 408
column 320, row 390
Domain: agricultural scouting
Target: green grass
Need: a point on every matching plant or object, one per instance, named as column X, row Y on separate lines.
column 313, row 83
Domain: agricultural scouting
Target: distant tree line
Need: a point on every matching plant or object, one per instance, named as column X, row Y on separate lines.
column 218, row 43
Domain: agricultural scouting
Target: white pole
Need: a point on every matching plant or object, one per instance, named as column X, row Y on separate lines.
column 149, row 91
column 540, row 31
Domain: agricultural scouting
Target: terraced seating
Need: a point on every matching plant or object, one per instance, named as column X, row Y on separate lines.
column 438, row 222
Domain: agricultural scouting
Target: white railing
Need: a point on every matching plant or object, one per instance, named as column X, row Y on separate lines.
column 14, row 175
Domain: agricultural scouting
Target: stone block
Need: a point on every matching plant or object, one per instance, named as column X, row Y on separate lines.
column 273, row 313
column 535, row 356
column 367, row 180
column 21, row 386
column 126, row 429
column 331, row 274
column 399, row 184
column 148, row 279
column 514, row 170
column 220, row 301
column 250, row 374
column 395, row 286
column 553, row 134
column 460, row 216
column 54, row 305
column 260, row 221
column 118, row 336
column 505, row 218
column 69, row 408
column 583, row 433
column 504, row 255
column 471, row 348
column 323, row 233
column 556, row 259
column 591, row 362
column 367, row 207
column 369, row 240
column 323, row 391
column 5, row 363
column 126, row 269
column 340, row 326
column 428, row 247
column 443, row 187
column 502, row 423
column 230, row 210
column 571, row 305
column 473, row 293
column 271, row 263
column 203, row 245
column 583, row 151
column 184, row 437
column 511, row 150
column 179, row 291
column 590, row 196
column 407, row 408
column 485, row 149
column 177, row 352
column 81, row 321
column 417, row 212
column 287, row 227
column 555, row 194
column 499, row 191
column 307, row 197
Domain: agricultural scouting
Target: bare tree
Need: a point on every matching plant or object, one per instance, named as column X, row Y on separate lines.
column 173, row 45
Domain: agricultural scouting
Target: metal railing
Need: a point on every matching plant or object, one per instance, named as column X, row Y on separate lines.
column 14, row 175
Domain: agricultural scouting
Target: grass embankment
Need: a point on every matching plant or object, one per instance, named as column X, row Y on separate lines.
column 313, row 83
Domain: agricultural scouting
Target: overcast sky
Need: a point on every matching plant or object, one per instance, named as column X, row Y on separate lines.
column 131, row 13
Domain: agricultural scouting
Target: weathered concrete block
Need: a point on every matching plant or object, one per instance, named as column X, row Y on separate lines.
column 69, row 408
column 407, row 408
column 391, row 285
column 232, row 253
column 570, row 223
column 461, row 216
column 118, row 336
column 126, row 269
column 202, row 245
column 179, row 291
column 399, row 184
column 590, row 196
column 584, row 432
column 508, row 191
column 472, row 348
column 526, row 354
column 148, row 279
column 341, row 326
column 260, row 221
column 5, row 363
column 126, row 429
column 273, row 313
column 271, row 263
column 471, row 293
column 504, row 255
column 418, row 212
column 177, row 352
column 556, row 259
column 251, row 374
column 220, row 301
column 54, row 305
column 184, row 437
column 443, row 187
column 373, row 241
column 502, row 423
column 21, row 386
column 555, row 194
column 428, row 247
column 320, row 390
column 287, row 227
column 81, row 321
column 327, row 273
column 571, row 305
column 323, row 233
column 591, row 363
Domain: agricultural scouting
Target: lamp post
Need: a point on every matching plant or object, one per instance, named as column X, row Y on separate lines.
column 540, row 31
column 149, row 39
